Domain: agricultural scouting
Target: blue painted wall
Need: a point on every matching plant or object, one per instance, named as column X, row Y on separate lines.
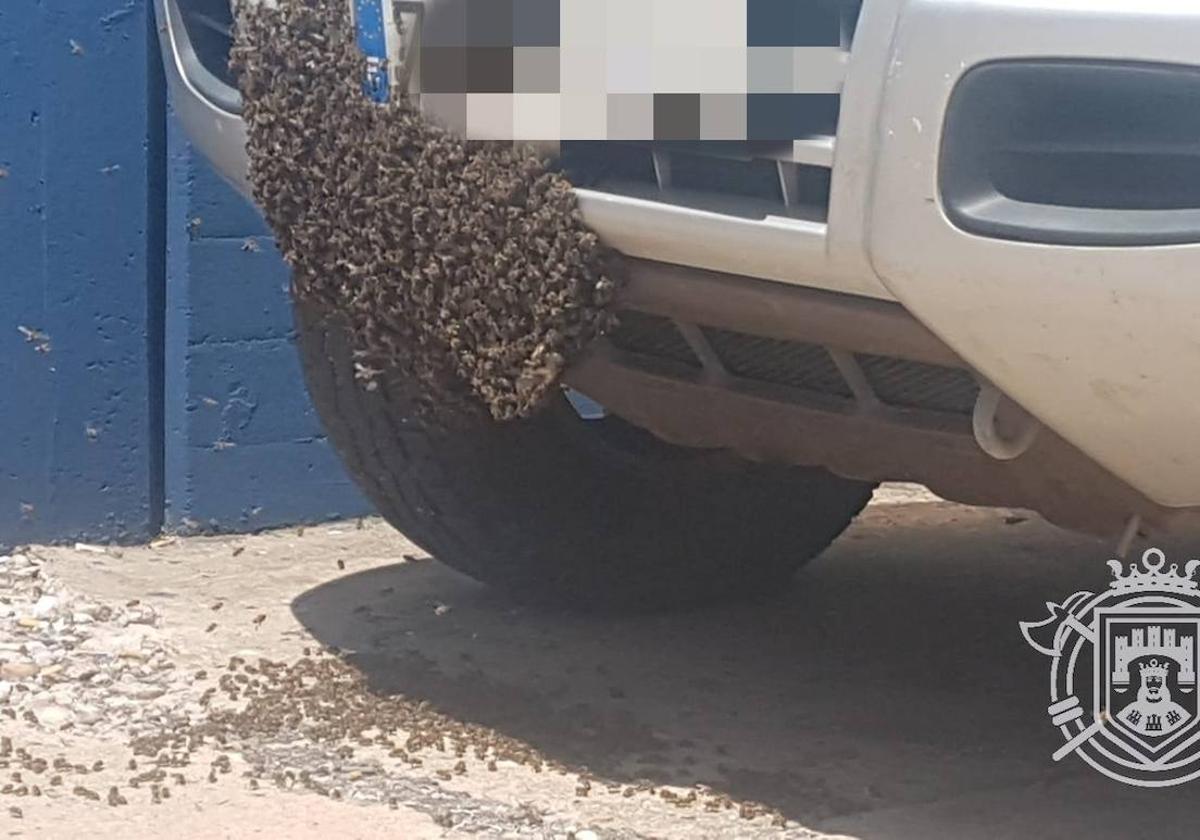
column 244, row 449
column 81, row 143
column 147, row 377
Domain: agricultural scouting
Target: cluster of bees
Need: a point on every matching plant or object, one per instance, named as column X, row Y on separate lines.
column 462, row 267
column 328, row 702
column 324, row 701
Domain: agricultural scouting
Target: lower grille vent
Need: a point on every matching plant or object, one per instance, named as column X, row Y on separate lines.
column 792, row 363
column 908, row 384
column 654, row 336
column 899, row 383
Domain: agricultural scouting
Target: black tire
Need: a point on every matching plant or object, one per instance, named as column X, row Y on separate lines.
column 554, row 508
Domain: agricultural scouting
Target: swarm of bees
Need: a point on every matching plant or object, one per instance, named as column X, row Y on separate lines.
column 463, row 267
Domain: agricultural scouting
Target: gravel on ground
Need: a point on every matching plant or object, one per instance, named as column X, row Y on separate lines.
column 334, row 678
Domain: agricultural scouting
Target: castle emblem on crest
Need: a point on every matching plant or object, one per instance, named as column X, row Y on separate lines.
column 1123, row 672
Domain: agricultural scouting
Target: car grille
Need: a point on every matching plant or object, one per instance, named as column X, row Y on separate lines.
column 654, row 337
column 209, row 25
column 750, row 179
column 792, row 363
column 747, row 179
column 744, row 179
column 907, row 384
column 804, row 367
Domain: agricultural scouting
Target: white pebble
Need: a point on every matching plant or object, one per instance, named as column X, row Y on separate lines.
column 18, row 670
column 88, row 714
column 45, row 606
column 55, row 715
column 141, row 691
column 44, row 658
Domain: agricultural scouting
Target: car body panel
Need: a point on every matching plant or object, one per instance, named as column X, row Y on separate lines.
column 1102, row 344
column 1099, row 344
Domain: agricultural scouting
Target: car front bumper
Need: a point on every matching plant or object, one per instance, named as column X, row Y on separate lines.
column 1095, row 341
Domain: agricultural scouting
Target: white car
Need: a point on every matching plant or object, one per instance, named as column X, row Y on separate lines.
column 976, row 266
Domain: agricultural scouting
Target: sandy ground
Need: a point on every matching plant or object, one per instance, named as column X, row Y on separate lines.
column 888, row 694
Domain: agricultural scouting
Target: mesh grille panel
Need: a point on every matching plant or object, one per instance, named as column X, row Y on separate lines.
column 906, row 384
column 652, row 335
column 791, row 363
column 808, row 367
